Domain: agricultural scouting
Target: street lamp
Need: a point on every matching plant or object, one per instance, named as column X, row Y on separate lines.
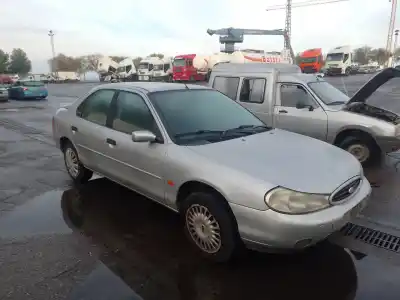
column 54, row 65
column 396, row 34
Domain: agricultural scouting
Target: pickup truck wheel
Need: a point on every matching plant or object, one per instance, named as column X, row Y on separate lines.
column 361, row 148
column 75, row 169
column 210, row 226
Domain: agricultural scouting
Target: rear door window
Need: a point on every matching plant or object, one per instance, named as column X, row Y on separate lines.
column 227, row 85
column 253, row 90
column 96, row 107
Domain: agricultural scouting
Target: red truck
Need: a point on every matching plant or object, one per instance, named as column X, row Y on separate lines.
column 183, row 69
column 311, row 61
column 6, row 79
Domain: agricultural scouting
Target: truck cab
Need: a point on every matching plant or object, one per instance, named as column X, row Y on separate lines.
column 146, row 68
column 339, row 61
column 126, row 70
column 284, row 97
column 163, row 70
column 184, row 70
column 311, row 61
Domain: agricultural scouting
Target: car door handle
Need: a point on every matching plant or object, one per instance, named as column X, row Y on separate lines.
column 73, row 128
column 283, row 111
column 111, row 142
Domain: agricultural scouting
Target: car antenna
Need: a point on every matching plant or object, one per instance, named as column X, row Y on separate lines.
column 186, row 86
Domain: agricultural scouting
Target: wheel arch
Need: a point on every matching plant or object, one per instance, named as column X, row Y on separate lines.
column 192, row 186
column 357, row 132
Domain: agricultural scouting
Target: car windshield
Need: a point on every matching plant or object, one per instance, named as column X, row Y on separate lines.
column 334, row 57
column 32, row 83
column 158, row 67
column 203, row 116
column 308, row 59
column 328, row 93
column 179, row 62
column 121, row 69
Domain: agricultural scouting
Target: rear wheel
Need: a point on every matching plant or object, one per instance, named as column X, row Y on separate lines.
column 191, row 79
column 76, row 170
column 210, row 226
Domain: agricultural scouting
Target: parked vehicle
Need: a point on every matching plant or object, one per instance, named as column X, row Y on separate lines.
column 184, row 70
column 283, row 97
column 3, row 92
column 311, row 61
column 339, row 61
column 232, row 178
column 6, row 79
column 146, row 68
column 106, row 67
column 163, row 70
column 28, row 89
column 126, row 70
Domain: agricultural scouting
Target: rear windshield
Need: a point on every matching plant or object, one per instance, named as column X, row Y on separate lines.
column 32, row 83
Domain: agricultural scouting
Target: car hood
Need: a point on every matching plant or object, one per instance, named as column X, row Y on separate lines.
column 373, row 84
column 285, row 159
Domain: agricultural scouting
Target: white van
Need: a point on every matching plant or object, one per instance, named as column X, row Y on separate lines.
column 339, row 61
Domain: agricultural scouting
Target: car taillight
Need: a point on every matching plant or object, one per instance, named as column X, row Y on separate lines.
column 24, row 89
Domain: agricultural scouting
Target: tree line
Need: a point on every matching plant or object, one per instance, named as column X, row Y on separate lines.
column 85, row 63
column 364, row 55
column 16, row 62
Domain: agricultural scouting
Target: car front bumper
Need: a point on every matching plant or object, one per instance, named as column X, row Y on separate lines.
column 268, row 229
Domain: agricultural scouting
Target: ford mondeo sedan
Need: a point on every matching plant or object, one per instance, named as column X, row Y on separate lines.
column 230, row 177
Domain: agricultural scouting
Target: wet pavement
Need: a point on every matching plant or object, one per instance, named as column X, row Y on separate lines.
column 102, row 241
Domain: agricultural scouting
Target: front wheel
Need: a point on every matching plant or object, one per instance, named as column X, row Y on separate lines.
column 361, row 148
column 210, row 226
column 76, row 170
column 347, row 72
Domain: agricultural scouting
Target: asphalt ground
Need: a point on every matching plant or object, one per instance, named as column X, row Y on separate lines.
column 102, row 241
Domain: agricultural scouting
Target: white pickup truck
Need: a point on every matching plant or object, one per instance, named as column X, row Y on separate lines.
column 283, row 97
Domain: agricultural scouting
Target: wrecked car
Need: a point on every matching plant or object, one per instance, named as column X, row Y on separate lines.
column 285, row 98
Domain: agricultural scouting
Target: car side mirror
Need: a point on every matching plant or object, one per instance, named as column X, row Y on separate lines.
column 143, row 136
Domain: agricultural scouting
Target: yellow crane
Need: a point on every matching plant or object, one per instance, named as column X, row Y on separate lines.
column 289, row 5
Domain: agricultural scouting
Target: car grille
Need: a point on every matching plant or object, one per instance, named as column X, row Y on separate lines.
column 346, row 191
column 178, row 70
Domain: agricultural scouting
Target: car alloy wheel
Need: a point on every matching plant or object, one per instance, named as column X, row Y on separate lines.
column 72, row 162
column 203, row 228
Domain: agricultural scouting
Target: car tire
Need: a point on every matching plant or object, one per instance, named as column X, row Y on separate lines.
column 191, row 79
column 75, row 169
column 203, row 213
column 347, row 72
column 363, row 148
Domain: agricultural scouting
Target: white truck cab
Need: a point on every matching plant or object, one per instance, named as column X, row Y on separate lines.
column 126, row 70
column 146, row 68
column 339, row 61
column 163, row 70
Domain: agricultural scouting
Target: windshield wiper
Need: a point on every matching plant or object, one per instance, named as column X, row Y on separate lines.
column 198, row 132
column 245, row 128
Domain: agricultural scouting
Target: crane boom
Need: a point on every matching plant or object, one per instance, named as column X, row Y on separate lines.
column 303, row 4
column 230, row 36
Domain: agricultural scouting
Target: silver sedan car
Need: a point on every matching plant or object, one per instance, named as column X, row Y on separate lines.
column 233, row 180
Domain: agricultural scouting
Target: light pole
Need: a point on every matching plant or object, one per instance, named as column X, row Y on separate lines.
column 54, row 65
column 396, row 34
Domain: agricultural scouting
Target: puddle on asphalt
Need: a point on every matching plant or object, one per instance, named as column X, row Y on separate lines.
column 141, row 250
column 41, row 215
column 102, row 284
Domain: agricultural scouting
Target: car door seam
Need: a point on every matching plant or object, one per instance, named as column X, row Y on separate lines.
column 121, row 162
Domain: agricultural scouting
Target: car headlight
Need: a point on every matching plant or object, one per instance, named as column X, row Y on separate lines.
column 292, row 202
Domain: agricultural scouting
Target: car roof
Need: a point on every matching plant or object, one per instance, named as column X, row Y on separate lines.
column 150, row 87
column 256, row 68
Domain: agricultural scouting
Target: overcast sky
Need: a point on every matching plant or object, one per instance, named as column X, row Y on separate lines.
column 140, row 27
